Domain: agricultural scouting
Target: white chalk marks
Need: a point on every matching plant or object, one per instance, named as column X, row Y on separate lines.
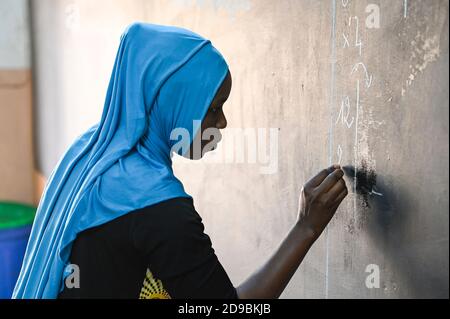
column 330, row 132
column 368, row 77
column 425, row 50
column 358, row 42
column 352, row 84
column 346, row 42
column 344, row 113
column 339, row 154
column 347, row 120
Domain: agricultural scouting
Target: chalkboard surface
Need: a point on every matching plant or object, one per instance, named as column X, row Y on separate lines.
column 389, row 123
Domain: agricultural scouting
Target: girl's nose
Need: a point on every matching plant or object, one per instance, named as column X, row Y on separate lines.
column 221, row 121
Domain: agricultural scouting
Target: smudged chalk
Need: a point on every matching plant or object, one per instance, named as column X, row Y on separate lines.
column 405, row 8
column 365, row 180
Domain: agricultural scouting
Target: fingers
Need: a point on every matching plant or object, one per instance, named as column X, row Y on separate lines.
column 336, row 189
column 317, row 180
column 340, row 197
column 330, row 181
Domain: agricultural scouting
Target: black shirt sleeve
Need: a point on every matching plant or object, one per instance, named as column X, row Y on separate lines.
column 171, row 240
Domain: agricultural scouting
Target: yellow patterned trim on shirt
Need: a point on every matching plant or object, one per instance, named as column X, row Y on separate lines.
column 152, row 288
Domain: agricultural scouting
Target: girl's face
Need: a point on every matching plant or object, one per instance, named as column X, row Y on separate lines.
column 214, row 121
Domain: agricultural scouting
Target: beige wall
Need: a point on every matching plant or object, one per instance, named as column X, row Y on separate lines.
column 16, row 138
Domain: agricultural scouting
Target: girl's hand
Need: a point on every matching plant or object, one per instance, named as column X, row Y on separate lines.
column 319, row 199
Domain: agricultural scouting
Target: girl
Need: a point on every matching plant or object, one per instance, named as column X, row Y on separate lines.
column 114, row 221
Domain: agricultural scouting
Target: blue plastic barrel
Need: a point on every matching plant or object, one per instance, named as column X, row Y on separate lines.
column 15, row 227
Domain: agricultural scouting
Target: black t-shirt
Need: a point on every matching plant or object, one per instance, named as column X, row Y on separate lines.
column 160, row 251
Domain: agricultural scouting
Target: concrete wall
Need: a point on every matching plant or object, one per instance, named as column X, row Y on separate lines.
column 298, row 67
column 16, row 140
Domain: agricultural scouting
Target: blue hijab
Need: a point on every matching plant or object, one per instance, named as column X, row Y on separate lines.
column 163, row 78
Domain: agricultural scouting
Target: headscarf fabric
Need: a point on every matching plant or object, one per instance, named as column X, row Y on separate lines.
column 164, row 78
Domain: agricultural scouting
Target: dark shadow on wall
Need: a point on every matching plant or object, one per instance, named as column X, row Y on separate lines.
column 390, row 212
